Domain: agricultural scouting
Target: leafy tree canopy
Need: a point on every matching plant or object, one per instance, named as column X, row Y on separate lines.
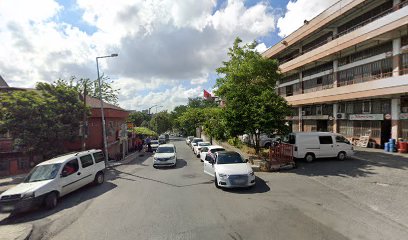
column 248, row 86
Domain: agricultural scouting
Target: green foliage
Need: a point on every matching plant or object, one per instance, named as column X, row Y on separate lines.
column 214, row 123
column 40, row 121
column 144, row 131
column 199, row 102
column 91, row 87
column 248, row 87
column 235, row 141
column 161, row 122
column 191, row 119
column 137, row 118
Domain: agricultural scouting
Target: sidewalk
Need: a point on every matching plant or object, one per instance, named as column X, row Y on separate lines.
column 11, row 181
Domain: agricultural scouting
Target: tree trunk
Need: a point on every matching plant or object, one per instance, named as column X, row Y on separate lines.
column 257, row 135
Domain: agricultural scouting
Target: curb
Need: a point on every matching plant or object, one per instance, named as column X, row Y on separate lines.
column 16, row 232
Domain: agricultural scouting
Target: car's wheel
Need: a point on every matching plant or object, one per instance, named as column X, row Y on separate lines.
column 310, row 157
column 51, row 200
column 198, row 155
column 267, row 145
column 99, row 178
column 216, row 182
column 342, row 156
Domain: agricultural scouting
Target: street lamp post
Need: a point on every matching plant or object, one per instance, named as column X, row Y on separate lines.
column 105, row 143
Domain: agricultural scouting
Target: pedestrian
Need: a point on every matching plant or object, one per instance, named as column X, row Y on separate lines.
column 148, row 142
column 139, row 145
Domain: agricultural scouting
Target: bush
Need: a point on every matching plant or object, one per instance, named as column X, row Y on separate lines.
column 236, row 142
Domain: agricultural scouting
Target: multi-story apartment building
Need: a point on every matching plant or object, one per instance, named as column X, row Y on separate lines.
column 346, row 70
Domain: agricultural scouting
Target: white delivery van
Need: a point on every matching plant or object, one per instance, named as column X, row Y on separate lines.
column 54, row 178
column 312, row 145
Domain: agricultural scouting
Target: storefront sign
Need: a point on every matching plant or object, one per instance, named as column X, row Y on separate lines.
column 404, row 116
column 370, row 117
column 292, row 118
column 316, row 117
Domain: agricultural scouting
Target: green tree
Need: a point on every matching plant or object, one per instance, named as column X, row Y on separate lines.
column 137, row 118
column 200, row 102
column 40, row 121
column 191, row 119
column 214, row 123
column 91, row 88
column 161, row 122
column 248, row 86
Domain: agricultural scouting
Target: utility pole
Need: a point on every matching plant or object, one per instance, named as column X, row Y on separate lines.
column 84, row 119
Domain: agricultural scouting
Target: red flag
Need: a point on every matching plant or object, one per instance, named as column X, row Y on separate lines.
column 206, row 94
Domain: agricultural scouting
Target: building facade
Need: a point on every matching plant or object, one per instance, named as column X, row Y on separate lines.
column 346, row 70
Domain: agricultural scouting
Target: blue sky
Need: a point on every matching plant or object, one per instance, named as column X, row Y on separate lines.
column 168, row 50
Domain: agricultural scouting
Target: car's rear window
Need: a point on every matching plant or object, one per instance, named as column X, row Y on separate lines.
column 217, row 150
column 99, row 157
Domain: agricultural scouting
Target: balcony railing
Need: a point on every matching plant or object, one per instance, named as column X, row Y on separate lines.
column 351, row 29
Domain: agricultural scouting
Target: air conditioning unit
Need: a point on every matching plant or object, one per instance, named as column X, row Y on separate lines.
column 341, row 116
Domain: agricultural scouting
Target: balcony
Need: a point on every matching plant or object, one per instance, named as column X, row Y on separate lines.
column 384, row 22
column 380, row 85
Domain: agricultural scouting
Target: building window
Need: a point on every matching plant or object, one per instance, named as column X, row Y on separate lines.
column 22, row 164
column 319, row 110
column 341, row 107
column 366, row 107
column 404, row 104
column 289, row 90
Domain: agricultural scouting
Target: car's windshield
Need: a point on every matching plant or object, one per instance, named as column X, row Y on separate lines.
column 43, row 172
column 165, row 150
column 154, row 142
column 229, row 158
column 217, row 150
column 197, row 140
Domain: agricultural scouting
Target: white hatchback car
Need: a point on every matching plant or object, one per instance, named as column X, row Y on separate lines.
column 54, row 178
column 229, row 170
column 165, row 155
column 197, row 148
column 210, row 150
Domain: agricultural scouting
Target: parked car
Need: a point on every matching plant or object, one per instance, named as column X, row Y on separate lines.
column 312, row 145
column 210, row 150
column 194, row 142
column 229, row 170
column 53, row 179
column 162, row 139
column 165, row 155
column 197, row 148
column 268, row 140
column 189, row 139
column 154, row 144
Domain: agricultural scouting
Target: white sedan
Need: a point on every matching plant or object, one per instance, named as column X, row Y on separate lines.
column 165, row 155
column 210, row 149
column 229, row 170
column 197, row 148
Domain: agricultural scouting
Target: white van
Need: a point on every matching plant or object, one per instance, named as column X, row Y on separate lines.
column 312, row 145
column 54, row 178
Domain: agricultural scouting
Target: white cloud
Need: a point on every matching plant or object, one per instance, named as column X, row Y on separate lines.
column 160, row 42
column 169, row 98
column 261, row 48
column 298, row 11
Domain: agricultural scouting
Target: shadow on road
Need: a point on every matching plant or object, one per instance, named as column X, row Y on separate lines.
column 180, row 164
column 260, row 187
column 351, row 167
column 68, row 201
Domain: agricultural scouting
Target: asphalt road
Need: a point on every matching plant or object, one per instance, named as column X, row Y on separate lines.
column 140, row 202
